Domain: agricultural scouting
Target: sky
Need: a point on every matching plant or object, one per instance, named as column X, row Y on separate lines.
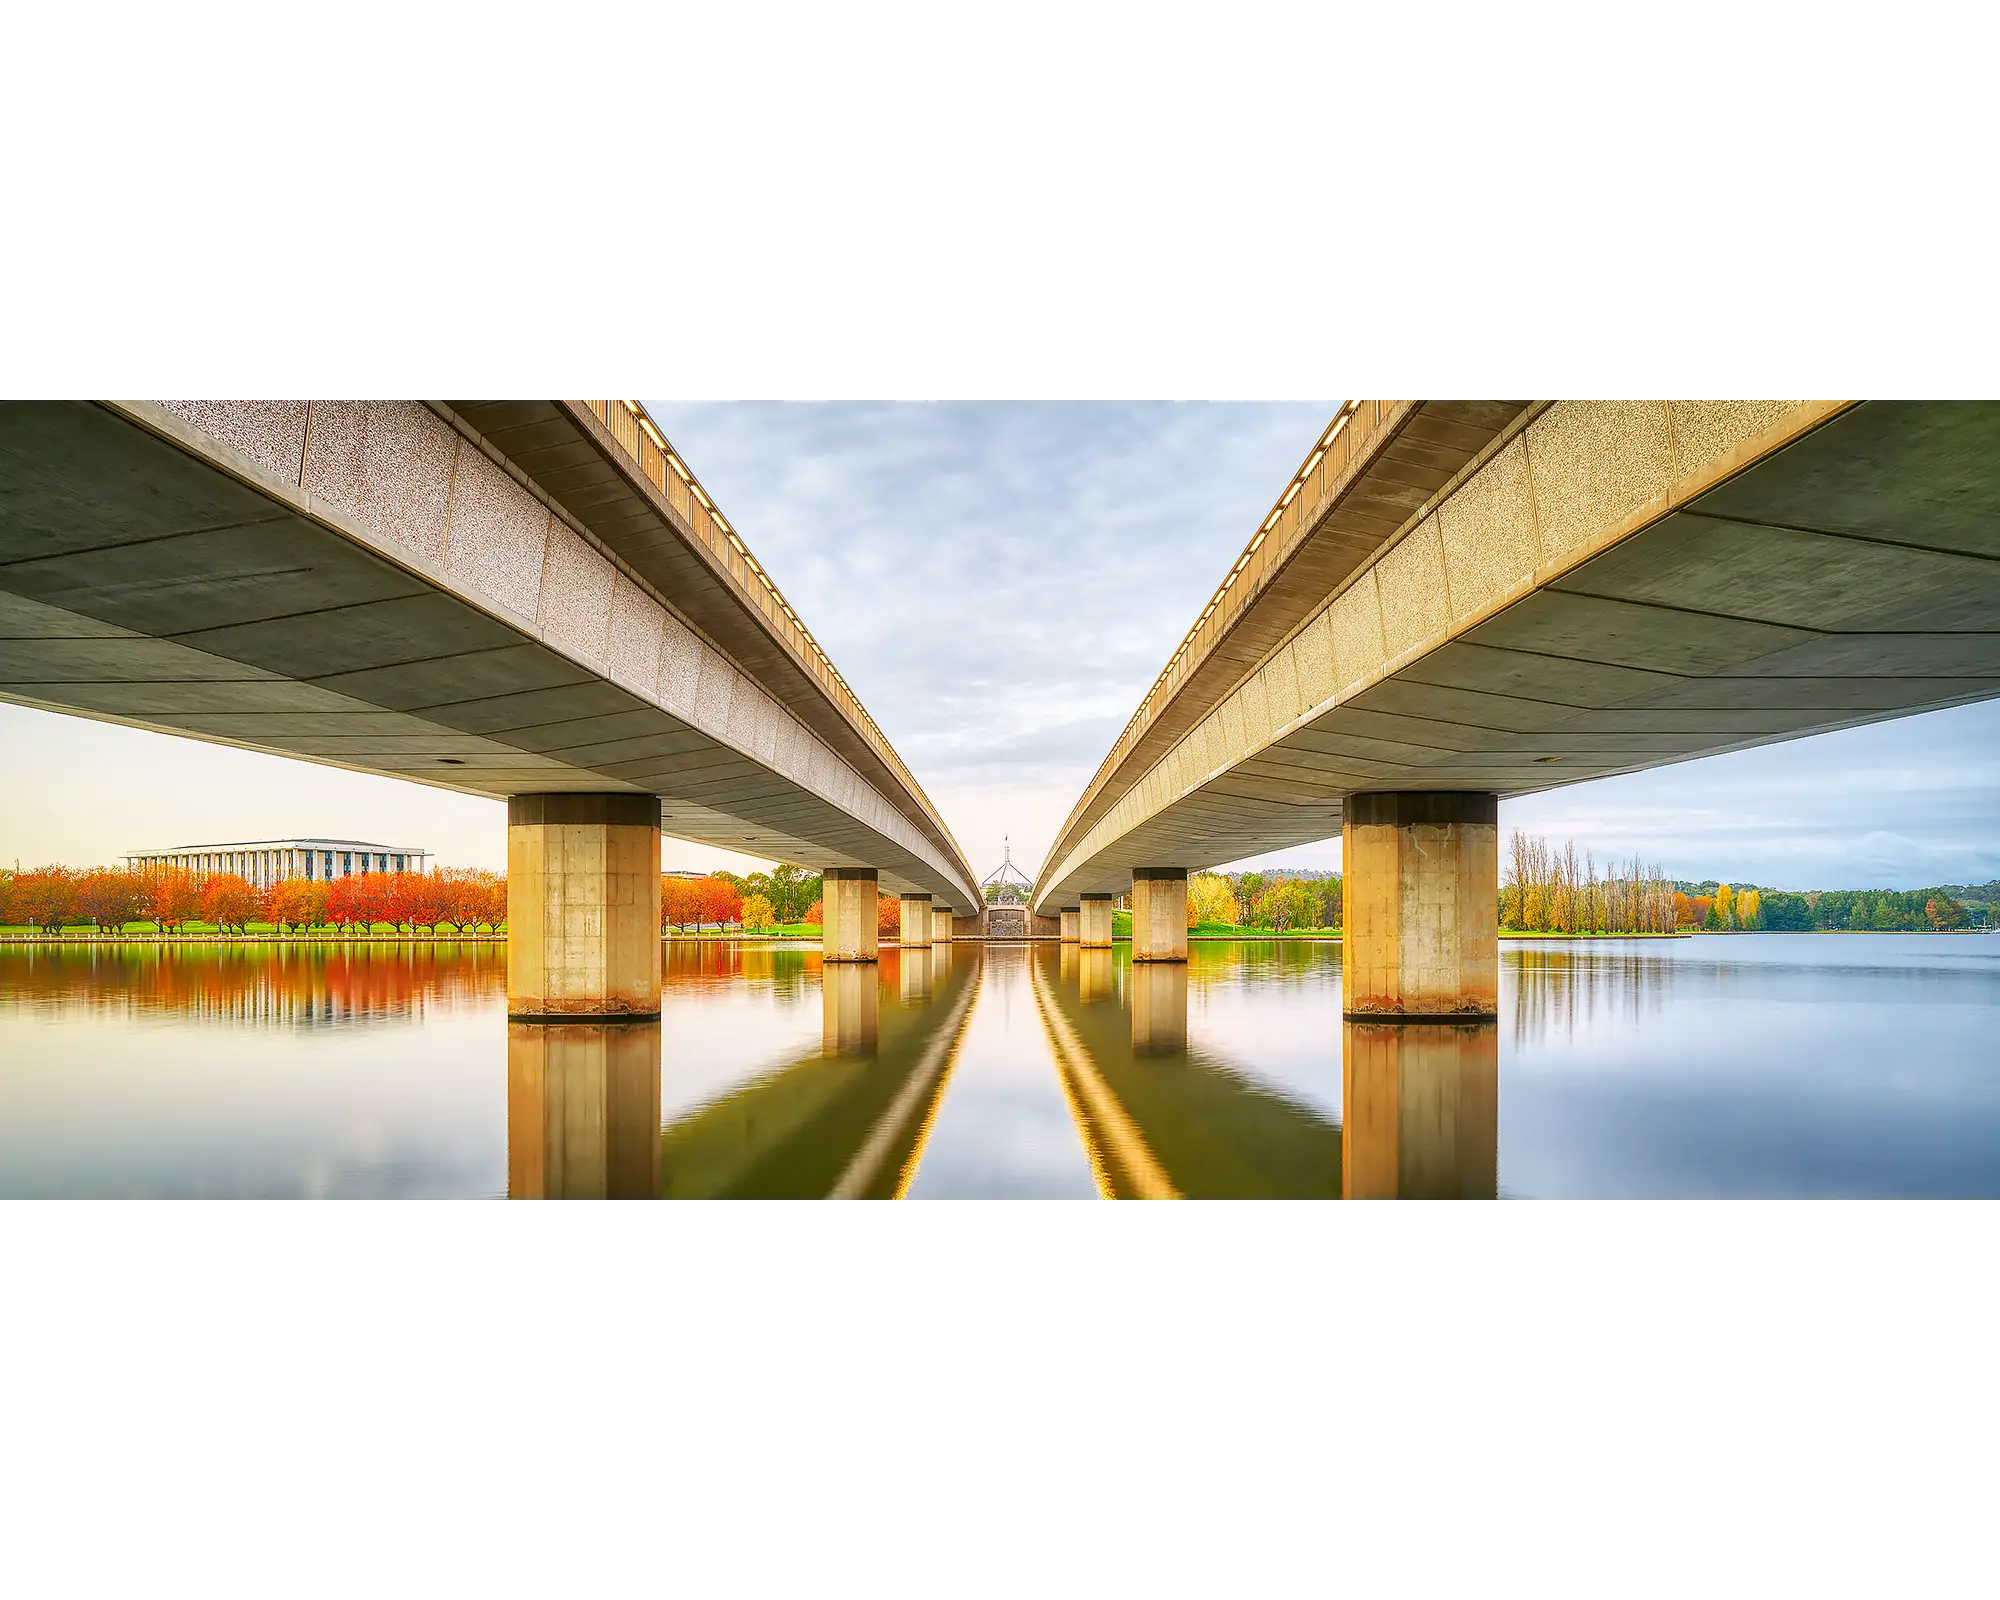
column 1000, row 583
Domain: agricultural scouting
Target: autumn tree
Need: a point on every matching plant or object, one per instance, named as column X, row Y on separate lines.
column 295, row 903
column 1942, row 913
column 888, row 914
column 758, row 912
column 46, row 897
column 173, row 897
column 1210, row 899
column 815, row 914
column 228, row 901
column 110, row 897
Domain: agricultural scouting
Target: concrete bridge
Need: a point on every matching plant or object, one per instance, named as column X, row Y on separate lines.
column 1452, row 601
column 532, row 600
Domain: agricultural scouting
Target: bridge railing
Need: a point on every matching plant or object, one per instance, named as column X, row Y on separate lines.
column 646, row 445
column 1291, row 518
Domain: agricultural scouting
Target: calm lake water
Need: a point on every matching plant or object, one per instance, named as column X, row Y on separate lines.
column 1792, row 1065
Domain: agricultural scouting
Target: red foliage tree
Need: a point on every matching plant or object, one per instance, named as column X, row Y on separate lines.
column 296, row 903
column 816, row 914
column 888, row 914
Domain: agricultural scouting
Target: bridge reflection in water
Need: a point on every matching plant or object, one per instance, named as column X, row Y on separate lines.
column 848, row 1120
column 1159, row 1114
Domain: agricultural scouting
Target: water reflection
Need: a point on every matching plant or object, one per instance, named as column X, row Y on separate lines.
column 583, row 1110
column 1421, row 1111
column 1762, row 1064
column 850, row 1119
column 1159, row 1119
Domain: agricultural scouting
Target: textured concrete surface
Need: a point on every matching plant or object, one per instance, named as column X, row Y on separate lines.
column 583, row 906
column 1611, row 586
column 914, row 931
column 848, row 897
column 366, row 585
column 1093, row 923
column 1159, row 914
column 1422, row 901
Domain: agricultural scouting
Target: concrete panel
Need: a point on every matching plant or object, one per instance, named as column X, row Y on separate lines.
column 1923, row 473
column 712, row 690
column 680, row 665
column 1357, row 632
column 1883, row 655
column 1594, row 464
column 497, row 536
column 1493, row 712
column 1415, row 599
column 1587, row 628
column 271, row 433
column 494, row 688
column 1803, row 580
column 1313, row 652
column 1487, row 530
column 128, row 660
column 1460, row 665
column 637, row 622
column 386, row 463
column 1706, row 431
column 358, row 638
column 575, row 608
column 22, row 618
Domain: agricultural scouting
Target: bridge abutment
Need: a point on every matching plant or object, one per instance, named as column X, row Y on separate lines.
column 848, row 898
column 916, row 925
column 1422, row 906
column 1159, row 914
column 1093, row 925
column 583, row 906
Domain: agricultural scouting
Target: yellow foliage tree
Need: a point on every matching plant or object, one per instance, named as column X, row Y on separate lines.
column 758, row 913
column 1749, row 906
column 1210, row 899
column 1725, row 905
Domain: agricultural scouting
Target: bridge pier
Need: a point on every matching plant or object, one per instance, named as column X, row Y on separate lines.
column 847, row 914
column 1422, row 906
column 1094, row 922
column 583, row 906
column 941, row 925
column 1068, row 921
column 916, row 928
column 1159, row 913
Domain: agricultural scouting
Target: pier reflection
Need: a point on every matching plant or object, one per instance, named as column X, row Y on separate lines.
column 583, row 1110
column 1420, row 1111
column 849, row 1120
column 1159, row 994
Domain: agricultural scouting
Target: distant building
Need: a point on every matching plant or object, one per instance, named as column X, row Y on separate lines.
column 267, row 861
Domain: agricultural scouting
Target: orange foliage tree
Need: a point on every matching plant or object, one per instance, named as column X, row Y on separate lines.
column 110, row 897
column 888, row 914
column 46, row 897
column 295, row 903
column 228, row 901
column 173, row 896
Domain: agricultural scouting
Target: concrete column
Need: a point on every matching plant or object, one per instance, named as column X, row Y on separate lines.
column 916, row 930
column 1159, row 913
column 940, row 925
column 847, row 916
column 1420, row 1110
column 1093, row 926
column 583, row 1110
column 583, row 905
column 1422, row 905
column 1159, row 1007
column 851, row 1009
column 1068, row 919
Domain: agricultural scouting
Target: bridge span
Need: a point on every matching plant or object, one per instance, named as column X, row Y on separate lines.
column 532, row 600
column 1452, row 601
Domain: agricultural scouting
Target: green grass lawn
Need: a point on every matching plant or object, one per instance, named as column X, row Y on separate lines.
column 1529, row 933
column 1231, row 930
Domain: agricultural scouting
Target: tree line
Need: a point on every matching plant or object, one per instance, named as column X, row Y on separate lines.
column 1283, row 901
column 1719, row 907
column 169, row 898
column 1544, row 889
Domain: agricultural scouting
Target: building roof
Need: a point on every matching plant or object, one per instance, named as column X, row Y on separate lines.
column 287, row 844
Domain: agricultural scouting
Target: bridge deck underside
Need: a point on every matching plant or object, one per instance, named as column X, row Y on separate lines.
column 1850, row 577
column 143, row 586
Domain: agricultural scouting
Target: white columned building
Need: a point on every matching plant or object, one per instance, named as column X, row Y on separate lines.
column 263, row 862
